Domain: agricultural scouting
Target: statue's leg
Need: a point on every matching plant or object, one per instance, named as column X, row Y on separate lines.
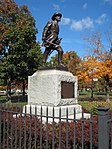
column 60, row 55
column 45, row 56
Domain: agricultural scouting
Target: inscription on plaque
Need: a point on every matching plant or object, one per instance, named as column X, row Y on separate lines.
column 67, row 90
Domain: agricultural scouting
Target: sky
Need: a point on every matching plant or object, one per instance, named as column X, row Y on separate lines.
column 80, row 18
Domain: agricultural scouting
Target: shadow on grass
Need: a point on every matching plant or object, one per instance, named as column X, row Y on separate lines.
column 14, row 99
column 87, row 97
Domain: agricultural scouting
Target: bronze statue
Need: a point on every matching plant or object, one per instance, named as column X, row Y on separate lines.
column 50, row 39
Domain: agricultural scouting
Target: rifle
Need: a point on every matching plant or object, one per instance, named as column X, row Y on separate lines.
column 51, row 43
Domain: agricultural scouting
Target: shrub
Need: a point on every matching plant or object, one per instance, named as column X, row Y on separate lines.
column 84, row 93
column 99, row 93
column 29, row 127
column 23, row 131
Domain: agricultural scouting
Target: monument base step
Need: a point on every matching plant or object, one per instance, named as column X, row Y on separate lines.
column 43, row 110
column 56, row 113
column 71, row 118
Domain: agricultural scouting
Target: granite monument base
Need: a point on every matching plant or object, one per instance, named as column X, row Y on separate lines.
column 52, row 87
column 52, row 90
column 50, row 113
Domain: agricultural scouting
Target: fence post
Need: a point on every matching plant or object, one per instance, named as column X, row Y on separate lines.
column 103, row 133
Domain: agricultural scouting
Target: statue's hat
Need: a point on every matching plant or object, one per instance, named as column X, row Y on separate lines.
column 56, row 14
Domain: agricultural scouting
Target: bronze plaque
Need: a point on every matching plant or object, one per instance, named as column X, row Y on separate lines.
column 67, row 90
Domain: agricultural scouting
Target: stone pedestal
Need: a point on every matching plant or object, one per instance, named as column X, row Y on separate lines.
column 52, row 90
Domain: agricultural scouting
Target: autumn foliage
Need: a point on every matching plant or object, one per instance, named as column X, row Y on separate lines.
column 95, row 66
column 72, row 61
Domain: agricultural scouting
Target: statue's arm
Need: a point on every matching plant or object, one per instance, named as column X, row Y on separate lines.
column 45, row 30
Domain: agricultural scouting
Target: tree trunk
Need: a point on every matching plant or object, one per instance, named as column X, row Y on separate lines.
column 8, row 90
column 91, row 93
column 92, row 86
column 23, row 87
column 107, row 93
column 107, row 87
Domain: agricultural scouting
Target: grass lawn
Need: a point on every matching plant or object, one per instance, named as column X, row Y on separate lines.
column 88, row 104
column 97, row 97
column 91, row 105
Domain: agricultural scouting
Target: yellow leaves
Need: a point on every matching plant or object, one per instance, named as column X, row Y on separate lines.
column 95, row 66
column 108, row 63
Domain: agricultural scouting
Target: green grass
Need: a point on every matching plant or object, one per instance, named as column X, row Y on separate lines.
column 91, row 107
column 96, row 97
column 15, row 100
column 84, row 99
column 16, row 103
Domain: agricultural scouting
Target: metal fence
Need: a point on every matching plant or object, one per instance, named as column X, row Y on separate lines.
column 28, row 131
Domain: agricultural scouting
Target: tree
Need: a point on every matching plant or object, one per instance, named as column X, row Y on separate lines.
column 20, row 54
column 98, row 63
column 70, row 59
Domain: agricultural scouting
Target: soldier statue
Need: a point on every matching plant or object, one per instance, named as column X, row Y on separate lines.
column 50, row 39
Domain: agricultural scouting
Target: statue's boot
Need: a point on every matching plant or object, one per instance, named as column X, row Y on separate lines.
column 45, row 56
column 60, row 54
